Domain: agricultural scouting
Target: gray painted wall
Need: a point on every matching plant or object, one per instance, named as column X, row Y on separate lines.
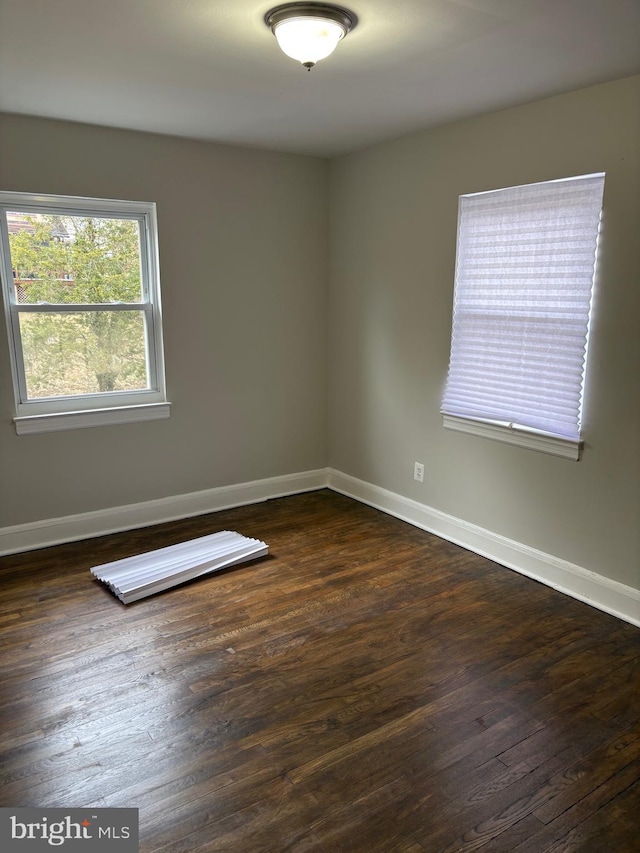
column 393, row 229
column 250, row 289
column 243, row 264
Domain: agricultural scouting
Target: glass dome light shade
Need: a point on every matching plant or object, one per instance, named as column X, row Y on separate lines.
column 308, row 39
column 309, row 32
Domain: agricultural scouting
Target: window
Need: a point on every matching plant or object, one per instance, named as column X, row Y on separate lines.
column 82, row 299
column 525, row 267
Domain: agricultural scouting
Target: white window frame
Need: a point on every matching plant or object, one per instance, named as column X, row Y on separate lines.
column 71, row 412
column 506, row 431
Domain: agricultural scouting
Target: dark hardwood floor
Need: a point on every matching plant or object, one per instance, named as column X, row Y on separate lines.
column 367, row 687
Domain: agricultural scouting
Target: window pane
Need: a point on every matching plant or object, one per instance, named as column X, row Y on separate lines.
column 74, row 259
column 84, row 353
column 525, row 263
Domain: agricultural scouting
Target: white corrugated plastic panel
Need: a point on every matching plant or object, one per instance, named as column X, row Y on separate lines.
column 146, row 574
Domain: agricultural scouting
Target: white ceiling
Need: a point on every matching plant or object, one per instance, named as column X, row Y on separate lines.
column 210, row 69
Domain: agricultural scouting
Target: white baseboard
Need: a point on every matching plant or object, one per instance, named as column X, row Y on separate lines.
column 86, row 525
column 587, row 586
column 594, row 589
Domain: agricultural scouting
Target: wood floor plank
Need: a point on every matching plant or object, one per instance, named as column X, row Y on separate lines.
column 612, row 827
column 366, row 688
column 547, row 835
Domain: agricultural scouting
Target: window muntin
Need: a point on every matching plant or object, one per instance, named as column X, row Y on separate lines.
column 525, row 267
column 82, row 299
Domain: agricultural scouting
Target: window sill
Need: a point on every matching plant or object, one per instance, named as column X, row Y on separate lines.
column 567, row 448
column 29, row 424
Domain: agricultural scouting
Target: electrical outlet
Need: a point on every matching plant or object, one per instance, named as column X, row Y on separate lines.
column 418, row 472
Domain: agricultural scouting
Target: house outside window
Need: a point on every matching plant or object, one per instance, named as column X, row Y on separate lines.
column 82, row 301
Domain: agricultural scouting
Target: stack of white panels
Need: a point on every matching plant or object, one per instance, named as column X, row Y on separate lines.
column 145, row 574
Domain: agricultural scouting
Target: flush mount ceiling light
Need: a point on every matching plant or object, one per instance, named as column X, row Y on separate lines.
column 309, row 32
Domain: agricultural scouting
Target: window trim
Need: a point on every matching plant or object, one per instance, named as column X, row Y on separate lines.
column 57, row 413
column 520, row 436
column 30, row 424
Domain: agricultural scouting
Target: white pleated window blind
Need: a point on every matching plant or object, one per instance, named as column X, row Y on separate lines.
column 524, row 279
